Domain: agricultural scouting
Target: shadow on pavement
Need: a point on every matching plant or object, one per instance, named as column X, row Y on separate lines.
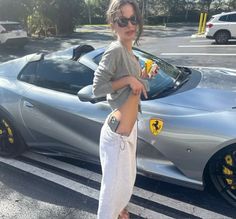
column 39, row 189
column 163, row 32
column 230, row 42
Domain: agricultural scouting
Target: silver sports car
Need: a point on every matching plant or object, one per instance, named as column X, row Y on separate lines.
column 187, row 129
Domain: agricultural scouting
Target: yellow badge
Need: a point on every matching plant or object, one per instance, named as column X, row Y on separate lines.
column 155, row 126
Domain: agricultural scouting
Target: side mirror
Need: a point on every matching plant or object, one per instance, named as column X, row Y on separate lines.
column 86, row 95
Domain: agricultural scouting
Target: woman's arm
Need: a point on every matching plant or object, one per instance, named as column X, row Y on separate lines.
column 102, row 81
column 136, row 86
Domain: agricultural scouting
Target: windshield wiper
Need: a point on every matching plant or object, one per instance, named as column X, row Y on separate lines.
column 182, row 72
column 176, row 79
column 178, row 85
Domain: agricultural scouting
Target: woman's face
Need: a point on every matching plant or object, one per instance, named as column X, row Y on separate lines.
column 125, row 29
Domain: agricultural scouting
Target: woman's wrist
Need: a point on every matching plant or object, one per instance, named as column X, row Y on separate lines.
column 129, row 79
column 122, row 82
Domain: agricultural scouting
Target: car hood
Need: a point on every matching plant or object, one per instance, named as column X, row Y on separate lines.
column 216, row 91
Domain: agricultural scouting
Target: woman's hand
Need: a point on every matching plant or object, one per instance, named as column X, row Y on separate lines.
column 152, row 73
column 137, row 87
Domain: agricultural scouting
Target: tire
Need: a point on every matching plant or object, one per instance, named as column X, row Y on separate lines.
column 222, row 174
column 222, row 37
column 11, row 143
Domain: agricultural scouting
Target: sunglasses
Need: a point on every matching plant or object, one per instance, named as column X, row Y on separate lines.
column 123, row 21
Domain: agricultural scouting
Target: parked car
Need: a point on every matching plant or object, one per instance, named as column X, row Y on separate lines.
column 187, row 130
column 12, row 33
column 222, row 27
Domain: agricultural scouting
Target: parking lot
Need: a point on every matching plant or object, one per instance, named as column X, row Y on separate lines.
column 36, row 186
column 177, row 44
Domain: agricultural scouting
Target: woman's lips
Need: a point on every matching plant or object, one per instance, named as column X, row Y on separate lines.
column 130, row 32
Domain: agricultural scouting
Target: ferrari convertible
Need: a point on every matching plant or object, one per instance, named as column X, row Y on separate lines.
column 187, row 129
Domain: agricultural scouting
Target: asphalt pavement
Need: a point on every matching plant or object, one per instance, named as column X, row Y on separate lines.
column 35, row 186
column 178, row 44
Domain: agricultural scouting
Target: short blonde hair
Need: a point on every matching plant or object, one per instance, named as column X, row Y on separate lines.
column 114, row 9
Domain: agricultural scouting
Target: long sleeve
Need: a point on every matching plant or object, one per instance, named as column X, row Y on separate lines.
column 104, row 74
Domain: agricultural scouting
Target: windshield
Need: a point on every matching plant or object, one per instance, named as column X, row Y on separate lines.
column 165, row 79
column 212, row 18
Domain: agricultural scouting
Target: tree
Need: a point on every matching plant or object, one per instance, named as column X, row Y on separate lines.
column 59, row 15
column 90, row 4
column 205, row 5
column 189, row 5
column 231, row 5
column 12, row 10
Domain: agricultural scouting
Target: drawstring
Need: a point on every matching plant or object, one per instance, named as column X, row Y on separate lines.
column 123, row 141
column 122, row 145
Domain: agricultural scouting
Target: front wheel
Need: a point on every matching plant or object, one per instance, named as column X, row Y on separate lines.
column 11, row 143
column 222, row 172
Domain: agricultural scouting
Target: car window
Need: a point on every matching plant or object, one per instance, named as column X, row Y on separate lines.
column 11, row 27
column 28, row 73
column 169, row 69
column 166, row 74
column 232, row 18
column 212, row 18
column 165, row 78
column 65, row 76
column 223, row 18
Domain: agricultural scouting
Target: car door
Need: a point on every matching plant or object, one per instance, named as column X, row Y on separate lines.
column 55, row 116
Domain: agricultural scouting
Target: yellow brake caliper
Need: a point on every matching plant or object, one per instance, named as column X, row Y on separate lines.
column 9, row 131
column 227, row 171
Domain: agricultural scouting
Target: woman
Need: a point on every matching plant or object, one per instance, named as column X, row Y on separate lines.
column 119, row 77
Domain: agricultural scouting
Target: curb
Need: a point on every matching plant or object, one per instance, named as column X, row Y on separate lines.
column 198, row 35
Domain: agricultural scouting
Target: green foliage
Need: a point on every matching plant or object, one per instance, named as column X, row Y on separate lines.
column 61, row 16
column 12, row 10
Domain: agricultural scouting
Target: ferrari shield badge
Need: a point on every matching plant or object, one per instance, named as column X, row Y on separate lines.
column 155, row 126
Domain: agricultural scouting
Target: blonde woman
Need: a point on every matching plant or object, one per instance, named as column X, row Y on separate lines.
column 120, row 77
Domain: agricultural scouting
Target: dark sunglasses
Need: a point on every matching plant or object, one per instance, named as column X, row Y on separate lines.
column 123, row 21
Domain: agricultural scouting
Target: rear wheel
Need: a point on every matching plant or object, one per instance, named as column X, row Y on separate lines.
column 222, row 37
column 11, row 143
column 222, row 171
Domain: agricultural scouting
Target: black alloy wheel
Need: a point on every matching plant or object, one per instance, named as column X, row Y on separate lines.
column 11, row 144
column 222, row 170
column 222, row 37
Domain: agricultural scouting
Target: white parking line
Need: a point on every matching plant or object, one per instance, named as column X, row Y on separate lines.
column 205, row 40
column 200, row 41
column 78, row 187
column 198, row 54
column 170, row 202
column 229, row 70
column 202, row 46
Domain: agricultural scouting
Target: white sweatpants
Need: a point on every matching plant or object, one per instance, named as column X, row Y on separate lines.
column 118, row 160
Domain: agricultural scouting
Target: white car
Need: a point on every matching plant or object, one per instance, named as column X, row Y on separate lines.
column 221, row 27
column 12, row 33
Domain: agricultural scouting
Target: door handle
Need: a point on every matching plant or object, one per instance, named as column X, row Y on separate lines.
column 28, row 104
